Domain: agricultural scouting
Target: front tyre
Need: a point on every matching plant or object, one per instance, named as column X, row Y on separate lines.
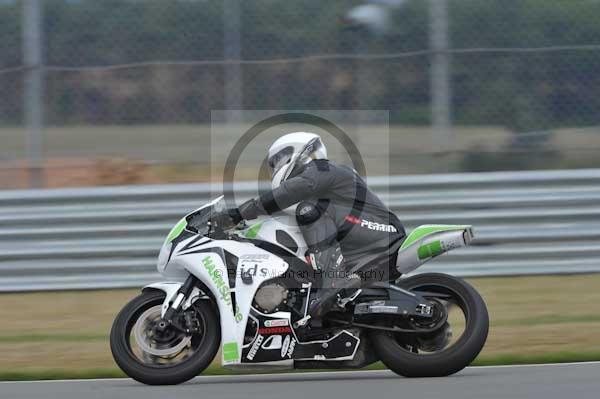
column 411, row 355
column 163, row 356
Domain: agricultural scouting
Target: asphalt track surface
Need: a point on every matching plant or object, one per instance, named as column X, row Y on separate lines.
column 558, row 381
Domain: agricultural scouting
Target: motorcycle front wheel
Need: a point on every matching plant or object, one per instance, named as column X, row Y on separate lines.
column 157, row 356
column 437, row 354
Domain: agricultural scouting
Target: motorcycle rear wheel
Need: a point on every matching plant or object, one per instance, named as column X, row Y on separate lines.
column 407, row 361
column 163, row 362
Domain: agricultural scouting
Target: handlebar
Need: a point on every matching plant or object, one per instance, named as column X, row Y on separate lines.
column 204, row 224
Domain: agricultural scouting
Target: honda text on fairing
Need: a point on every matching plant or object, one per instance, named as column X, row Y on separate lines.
column 246, row 291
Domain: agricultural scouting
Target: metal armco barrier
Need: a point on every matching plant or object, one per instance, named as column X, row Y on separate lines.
column 526, row 223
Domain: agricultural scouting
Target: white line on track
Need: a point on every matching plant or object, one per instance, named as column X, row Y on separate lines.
column 308, row 374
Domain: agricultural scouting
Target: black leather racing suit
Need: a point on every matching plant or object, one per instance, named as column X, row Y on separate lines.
column 336, row 206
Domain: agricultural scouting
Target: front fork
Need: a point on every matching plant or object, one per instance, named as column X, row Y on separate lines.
column 184, row 291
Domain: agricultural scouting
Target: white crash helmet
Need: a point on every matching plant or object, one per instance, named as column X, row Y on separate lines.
column 292, row 150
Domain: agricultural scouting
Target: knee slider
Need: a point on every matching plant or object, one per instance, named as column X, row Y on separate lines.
column 307, row 213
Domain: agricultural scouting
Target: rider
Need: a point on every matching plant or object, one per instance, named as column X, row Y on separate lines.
column 345, row 225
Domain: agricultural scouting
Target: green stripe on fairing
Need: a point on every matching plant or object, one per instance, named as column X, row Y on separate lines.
column 429, row 250
column 424, row 231
column 230, row 351
column 253, row 230
column 176, row 230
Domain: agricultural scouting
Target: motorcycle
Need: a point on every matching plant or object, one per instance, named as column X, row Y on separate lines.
column 245, row 291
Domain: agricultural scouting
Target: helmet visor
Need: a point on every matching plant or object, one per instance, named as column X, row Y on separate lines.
column 280, row 158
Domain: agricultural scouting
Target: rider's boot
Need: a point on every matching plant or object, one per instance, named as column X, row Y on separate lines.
column 330, row 262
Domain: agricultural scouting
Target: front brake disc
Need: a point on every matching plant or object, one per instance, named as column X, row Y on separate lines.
column 140, row 330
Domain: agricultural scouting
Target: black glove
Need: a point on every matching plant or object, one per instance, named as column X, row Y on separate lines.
column 235, row 215
column 226, row 220
column 251, row 209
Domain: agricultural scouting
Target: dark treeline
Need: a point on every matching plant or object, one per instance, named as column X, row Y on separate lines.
column 523, row 91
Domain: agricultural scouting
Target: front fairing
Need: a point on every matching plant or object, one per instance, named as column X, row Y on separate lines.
column 212, row 260
column 181, row 227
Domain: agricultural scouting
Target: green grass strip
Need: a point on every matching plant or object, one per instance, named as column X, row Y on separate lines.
column 493, row 360
column 532, row 321
column 549, row 319
column 551, row 357
column 25, row 338
column 30, row 375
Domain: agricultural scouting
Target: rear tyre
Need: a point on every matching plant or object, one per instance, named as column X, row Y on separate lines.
column 407, row 361
column 168, row 359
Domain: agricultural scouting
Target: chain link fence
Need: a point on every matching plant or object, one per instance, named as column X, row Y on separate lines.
column 126, row 87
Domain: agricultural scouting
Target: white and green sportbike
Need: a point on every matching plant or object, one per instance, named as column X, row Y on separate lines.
column 246, row 292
